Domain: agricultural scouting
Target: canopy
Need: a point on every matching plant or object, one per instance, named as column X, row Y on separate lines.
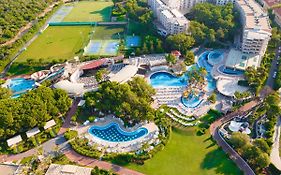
column 32, row 132
column 124, row 74
column 94, row 64
column 69, row 87
column 50, row 124
column 14, row 140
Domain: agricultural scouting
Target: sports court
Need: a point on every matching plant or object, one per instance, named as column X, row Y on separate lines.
column 133, row 41
column 102, row 47
column 89, row 11
column 60, row 14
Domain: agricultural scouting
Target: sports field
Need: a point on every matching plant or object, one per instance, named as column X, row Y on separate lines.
column 108, row 32
column 186, row 153
column 85, row 11
column 57, row 43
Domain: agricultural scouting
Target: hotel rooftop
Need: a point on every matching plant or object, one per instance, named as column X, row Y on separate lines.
column 255, row 16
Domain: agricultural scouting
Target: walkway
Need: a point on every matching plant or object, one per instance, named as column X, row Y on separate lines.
column 214, row 129
column 274, row 156
column 90, row 162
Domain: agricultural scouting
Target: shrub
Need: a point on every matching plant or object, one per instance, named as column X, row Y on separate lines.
column 70, row 134
column 92, row 118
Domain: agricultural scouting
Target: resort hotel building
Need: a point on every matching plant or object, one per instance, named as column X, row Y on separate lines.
column 256, row 27
column 171, row 21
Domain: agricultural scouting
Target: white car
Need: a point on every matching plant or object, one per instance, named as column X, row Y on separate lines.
column 274, row 74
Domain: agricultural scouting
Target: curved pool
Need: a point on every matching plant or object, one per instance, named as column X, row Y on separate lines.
column 215, row 57
column 20, row 85
column 230, row 71
column 159, row 79
column 113, row 133
column 192, row 102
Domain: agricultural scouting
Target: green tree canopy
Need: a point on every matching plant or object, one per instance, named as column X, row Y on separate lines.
column 180, row 41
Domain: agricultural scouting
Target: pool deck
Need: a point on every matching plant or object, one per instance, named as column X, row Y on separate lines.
column 127, row 146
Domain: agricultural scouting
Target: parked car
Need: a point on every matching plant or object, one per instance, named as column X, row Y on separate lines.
column 274, row 74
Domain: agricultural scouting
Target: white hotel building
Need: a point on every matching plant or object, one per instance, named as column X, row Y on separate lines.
column 256, row 27
column 172, row 21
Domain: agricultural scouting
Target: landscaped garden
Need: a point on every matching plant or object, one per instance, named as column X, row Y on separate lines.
column 188, row 153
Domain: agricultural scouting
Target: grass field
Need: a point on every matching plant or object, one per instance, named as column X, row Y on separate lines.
column 188, row 154
column 57, row 43
column 86, row 11
column 108, row 32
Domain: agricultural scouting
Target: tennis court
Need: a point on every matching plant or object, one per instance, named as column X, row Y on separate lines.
column 133, row 41
column 60, row 14
column 102, row 47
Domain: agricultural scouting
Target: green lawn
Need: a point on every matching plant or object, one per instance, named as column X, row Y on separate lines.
column 189, row 154
column 57, row 43
column 85, row 11
column 108, row 32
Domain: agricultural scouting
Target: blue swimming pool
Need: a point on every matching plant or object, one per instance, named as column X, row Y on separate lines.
column 230, row 71
column 113, row 133
column 20, row 85
column 191, row 102
column 161, row 79
column 215, row 57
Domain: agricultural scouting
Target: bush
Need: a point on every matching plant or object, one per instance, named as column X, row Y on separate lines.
column 92, row 118
column 70, row 134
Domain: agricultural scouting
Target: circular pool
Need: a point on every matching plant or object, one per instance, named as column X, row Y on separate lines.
column 113, row 133
column 191, row 102
column 215, row 57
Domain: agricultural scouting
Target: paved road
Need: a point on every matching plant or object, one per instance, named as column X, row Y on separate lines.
column 214, row 129
column 274, row 155
column 273, row 68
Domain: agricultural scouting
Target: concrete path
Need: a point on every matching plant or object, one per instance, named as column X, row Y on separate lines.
column 274, row 155
column 90, row 162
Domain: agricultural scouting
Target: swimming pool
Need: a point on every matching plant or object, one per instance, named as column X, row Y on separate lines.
column 113, row 133
column 191, row 102
column 161, row 79
column 20, row 85
column 215, row 57
column 230, row 71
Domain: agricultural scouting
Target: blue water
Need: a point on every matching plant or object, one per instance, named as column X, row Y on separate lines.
column 191, row 102
column 162, row 79
column 18, row 85
column 159, row 79
column 215, row 57
column 113, row 133
column 230, row 71
column 133, row 41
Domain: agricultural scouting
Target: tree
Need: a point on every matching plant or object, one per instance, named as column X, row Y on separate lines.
column 171, row 59
column 145, row 49
column 159, row 46
column 210, row 22
column 100, row 75
column 262, row 144
column 189, row 58
column 212, row 98
column 238, row 140
column 180, row 41
column 130, row 101
column 5, row 93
